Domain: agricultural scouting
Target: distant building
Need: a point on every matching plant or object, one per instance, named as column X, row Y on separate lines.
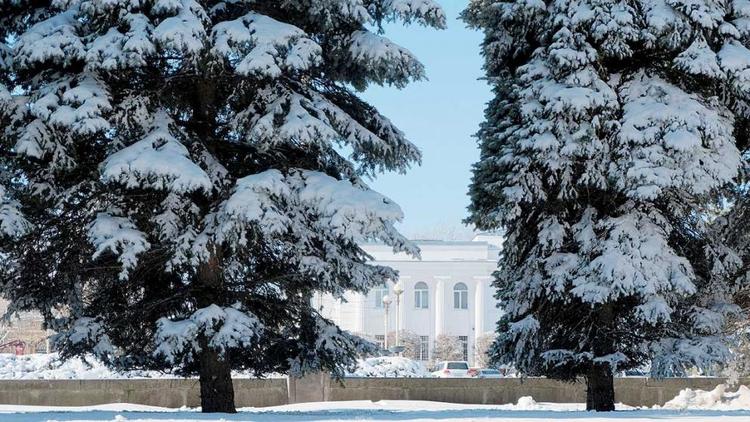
column 23, row 334
column 447, row 292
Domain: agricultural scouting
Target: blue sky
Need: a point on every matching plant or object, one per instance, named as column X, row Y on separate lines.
column 440, row 116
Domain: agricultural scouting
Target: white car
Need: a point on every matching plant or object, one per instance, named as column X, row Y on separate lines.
column 451, row 369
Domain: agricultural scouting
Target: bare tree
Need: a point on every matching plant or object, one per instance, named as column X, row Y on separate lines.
column 409, row 340
column 447, row 348
column 482, row 349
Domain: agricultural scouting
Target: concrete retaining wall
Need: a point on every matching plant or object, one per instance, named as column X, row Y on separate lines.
column 476, row 391
column 273, row 392
column 154, row 392
column 631, row 391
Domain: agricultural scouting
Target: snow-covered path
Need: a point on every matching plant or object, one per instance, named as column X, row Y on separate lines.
column 366, row 411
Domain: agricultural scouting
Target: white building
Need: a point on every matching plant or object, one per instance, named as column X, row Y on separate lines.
column 447, row 292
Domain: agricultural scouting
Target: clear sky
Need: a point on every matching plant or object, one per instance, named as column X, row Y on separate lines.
column 440, row 116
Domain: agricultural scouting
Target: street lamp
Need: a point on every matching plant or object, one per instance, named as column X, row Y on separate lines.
column 386, row 304
column 398, row 289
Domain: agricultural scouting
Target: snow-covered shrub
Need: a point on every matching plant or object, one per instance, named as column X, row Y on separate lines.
column 389, row 367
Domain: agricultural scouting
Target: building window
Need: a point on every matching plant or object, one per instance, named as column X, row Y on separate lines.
column 424, row 348
column 421, row 295
column 380, row 292
column 464, row 341
column 380, row 340
column 460, row 296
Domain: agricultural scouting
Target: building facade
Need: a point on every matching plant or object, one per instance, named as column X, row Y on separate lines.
column 447, row 292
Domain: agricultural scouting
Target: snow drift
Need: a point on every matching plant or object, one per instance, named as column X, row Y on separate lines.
column 717, row 399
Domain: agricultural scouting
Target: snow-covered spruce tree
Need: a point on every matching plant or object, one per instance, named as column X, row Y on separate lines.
column 614, row 126
column 182, row 175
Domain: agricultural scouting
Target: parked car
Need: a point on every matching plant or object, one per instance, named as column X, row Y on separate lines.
column 451, row 369
column 484, row 373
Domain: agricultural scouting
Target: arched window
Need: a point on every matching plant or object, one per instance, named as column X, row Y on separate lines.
column 380, row 292
column 421, row 295
column 460, row 296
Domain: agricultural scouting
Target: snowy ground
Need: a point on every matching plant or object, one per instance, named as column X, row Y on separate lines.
column 722, row 404
column 412, row 411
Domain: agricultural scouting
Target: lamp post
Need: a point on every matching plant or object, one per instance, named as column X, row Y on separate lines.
column 398, row 289
column 386, row 304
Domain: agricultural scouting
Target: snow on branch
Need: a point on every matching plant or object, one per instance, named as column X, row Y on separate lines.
column 257, row 44
column 119, row 236
column 271, row 199
column 734, row 59
column 699, row 59
column 289, row 117
column 222, row 328
column 706, row 14
column 184, row 32
column 350, row 211
column 614, row 360
column 116, row 50
column 158, row 161
column 85, row 333
column 672, row 357
column 369, row 133
column 52, row 41
column 81, row 105
column 333, row 349
column 65, row 111
column 672, row 139
column 35, row 140
column 12, row 222
column 426, row 12
column 313, row 218
column 523, row 333
column 633, row 257
column 387, row 61
column 309, row 117
column 254, row 201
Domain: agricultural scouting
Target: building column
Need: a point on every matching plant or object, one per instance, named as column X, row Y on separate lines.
column 406, row 296
column 479, row 311
column 439, row 308
column 359, row 316
column 480, row 291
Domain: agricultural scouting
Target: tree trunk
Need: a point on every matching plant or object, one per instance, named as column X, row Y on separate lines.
column 600, row 388
column 217, row 391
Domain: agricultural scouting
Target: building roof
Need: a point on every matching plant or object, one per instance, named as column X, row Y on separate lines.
column 440, row 250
